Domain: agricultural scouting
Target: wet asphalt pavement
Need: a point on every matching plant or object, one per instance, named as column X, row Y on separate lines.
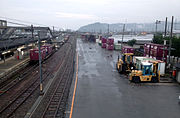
column 103, row 93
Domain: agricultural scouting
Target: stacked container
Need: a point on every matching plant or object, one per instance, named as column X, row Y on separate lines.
column 155, row 51
column 127, row 49
column 103, row 41
column 110, row 44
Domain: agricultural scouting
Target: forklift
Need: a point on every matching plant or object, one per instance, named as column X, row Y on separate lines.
column 148, row 73
column 125, row 64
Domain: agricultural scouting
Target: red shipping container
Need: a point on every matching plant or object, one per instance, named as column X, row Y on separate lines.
column 155, row 50
column 147, row 49
column 48, row 48
column 103, row 40
column 127, row 49
column 110, row 41
column 103, row 45
column 34, row 54
column 110, row 47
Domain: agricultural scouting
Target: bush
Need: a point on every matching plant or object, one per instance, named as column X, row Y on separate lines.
column 131, row 42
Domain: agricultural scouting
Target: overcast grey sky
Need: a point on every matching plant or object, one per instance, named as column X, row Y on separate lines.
column 75, row 13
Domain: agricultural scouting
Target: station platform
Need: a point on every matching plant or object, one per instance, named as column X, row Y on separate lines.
column 11, row 65
column 104, row 93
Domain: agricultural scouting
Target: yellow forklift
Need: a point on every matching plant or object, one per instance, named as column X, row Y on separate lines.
column 148, row 73
column 125, row 64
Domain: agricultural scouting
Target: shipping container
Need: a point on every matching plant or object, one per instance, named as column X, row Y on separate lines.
column 92, row 38
column 110, row 41
column 156, row 51
column 138, row 60
column 100, row 42
column 97, row 40
column 127, row 49
column 34, row 54
column 117, row 46
column 110, row 47
column 48, row 48
column 103, row 45
column 103, row 40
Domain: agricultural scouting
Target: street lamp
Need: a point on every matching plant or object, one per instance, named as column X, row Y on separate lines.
column 157, row 22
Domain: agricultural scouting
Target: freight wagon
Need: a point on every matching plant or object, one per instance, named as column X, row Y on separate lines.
column 34, row 54
column 46, row 51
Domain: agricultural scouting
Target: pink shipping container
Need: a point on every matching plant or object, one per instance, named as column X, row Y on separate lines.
column 48, row 48
column 110, row 41
column 147, row 49
column 155, row 51
column 103, row 45
column 103, row 40
column 34, row 54
column 127, row 49
column 109, row 47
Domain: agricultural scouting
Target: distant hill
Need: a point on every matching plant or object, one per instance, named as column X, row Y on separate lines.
column 131, row 27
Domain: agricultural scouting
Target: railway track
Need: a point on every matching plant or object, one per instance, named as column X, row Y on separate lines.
column 22, row 96
column 55, row 100
column 57, row 103
column 18, row 79
column 20, row 76
column 15, row 103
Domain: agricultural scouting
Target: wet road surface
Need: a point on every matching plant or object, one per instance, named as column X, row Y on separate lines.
column 103, row 93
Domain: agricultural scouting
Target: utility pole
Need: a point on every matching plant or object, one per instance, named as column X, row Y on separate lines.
column 170, row 40
column 157, row 22
column 108, row 29
column 122, row 36
column 32, row 31
column 165, row 36
column 53, row 30
column 165, row 32
column 40, row 67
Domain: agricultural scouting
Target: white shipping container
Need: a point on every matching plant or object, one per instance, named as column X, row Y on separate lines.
column 138, row 61
column 97, row 40
column 178, row 76
column 161, row 68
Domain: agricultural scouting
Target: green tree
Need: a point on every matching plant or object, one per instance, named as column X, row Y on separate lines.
column 131, row 42
column 159, row 39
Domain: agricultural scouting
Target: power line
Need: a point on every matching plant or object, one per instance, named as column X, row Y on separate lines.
column 23, row 21
column 17, row 23
column 27, row 22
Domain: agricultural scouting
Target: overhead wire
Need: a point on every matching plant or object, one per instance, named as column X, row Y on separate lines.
column 24, row 23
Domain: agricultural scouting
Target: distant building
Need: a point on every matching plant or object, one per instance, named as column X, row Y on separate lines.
column 176, row 33
column 3, row 24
